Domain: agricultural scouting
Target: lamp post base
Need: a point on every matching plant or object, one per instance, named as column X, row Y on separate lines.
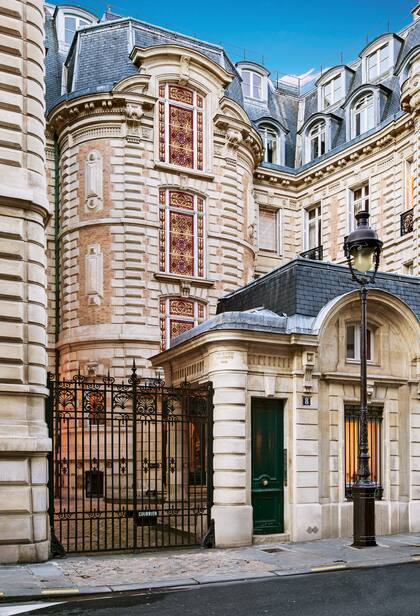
column 364, row 515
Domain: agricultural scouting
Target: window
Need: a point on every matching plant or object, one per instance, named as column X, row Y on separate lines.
column 359, row 200
column 181, row 236
column 351, row 444
column 272, row 144
column 363, row 117
column 353, row 342
column 181, row 139
column 317, row 140
column 313, row 228
column 332, row 91
column 252, row 85
column 71, row 24
column 268, row 231
column 178, row 315
column 409, row 185
column 378, row 62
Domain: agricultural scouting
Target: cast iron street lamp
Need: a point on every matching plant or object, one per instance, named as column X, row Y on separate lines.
column 363, row 249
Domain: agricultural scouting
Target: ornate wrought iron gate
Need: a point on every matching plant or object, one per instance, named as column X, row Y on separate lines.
column 132, row 463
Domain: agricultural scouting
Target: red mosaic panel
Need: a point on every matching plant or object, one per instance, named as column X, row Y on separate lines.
column 200, row 311
column 181, row 95
column 181, row 200
column 177, row 328
column 199, row 141
column 181, row 308
column 200, row 238
column 181, row 244
column 162, row 146
column 181, row 140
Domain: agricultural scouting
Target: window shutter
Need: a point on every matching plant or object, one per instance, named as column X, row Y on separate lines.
column 267, row 231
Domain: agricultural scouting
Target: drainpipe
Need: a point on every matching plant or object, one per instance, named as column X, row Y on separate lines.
column 57, row 252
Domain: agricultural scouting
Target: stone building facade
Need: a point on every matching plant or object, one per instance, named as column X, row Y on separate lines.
column 286, row 403
column 177, row 176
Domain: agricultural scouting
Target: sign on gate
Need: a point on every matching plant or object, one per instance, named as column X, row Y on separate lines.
column 131, row 463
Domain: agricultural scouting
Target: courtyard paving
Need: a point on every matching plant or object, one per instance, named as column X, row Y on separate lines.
column 170, row 568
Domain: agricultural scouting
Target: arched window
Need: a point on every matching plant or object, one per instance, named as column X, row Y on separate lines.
column 272, row 142
column 71, row 24
column 353, row 342
column 178, row 315
column 317, row 140
column 363, row 115
column 181, row 120
column 181, row 235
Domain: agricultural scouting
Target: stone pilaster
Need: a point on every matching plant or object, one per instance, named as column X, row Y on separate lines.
column 410, row 102
column 231, row 512
column 23, row 209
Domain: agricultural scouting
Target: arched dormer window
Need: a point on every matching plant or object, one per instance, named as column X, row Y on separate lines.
column 254, row 81
column 364, row 109
column 318, row 135
column 333, row 86
column 380, row 56
column 362, row 115
column 71, row 24
column 68, row 20
column 273, row 142
column 317, row 139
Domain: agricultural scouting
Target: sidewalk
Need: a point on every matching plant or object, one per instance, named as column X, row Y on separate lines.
column 169, row 569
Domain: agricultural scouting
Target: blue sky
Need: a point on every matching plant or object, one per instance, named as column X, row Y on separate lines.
column 290, row 37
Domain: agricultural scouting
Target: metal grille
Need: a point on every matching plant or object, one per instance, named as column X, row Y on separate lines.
column 131, row 463
column 315, row 254
column 407, row 222
column 351, row 420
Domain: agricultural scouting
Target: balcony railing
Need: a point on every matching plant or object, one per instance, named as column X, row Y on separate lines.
column 407, row 222
column 316, row 254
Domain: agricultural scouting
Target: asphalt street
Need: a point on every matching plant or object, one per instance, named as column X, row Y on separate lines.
column 382, row 591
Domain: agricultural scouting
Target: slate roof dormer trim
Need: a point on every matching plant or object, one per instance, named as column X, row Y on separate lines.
column 387, row 36
column 139, row 54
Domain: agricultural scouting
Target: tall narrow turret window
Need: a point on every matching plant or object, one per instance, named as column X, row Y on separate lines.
column 181, row 233
column 181, row 126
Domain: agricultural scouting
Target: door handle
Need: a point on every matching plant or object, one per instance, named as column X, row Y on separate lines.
column 264, row 483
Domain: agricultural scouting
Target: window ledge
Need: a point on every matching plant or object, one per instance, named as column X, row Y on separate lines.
column 185, row 170
column 194, row 282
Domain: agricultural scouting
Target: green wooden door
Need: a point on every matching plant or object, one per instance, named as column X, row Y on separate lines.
column 267, row 465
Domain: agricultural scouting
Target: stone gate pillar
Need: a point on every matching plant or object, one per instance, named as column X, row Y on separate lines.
column 231, row 513
column 23, row 210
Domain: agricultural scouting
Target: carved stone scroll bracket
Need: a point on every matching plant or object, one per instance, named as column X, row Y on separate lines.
column 308, row 361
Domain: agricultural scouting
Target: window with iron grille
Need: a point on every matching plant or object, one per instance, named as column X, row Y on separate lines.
column 351, row 440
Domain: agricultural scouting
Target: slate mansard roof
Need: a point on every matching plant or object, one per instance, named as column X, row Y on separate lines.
column 290, row 298
column 99, row 57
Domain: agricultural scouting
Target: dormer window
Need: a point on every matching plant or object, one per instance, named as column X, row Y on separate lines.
column 378, row 62
column 254, row 81
column 68, row 20
column 332, row 91
column 363, row 115
column 273, row 143
column 317, row 138
column 252, row 85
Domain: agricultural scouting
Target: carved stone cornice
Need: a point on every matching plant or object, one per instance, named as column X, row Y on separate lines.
column 354, row 153
column 102, row 107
